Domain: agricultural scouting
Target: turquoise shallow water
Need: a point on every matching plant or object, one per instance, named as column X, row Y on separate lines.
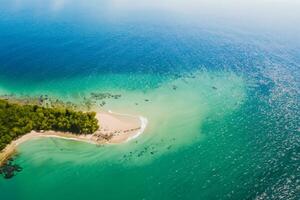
column 222, row 85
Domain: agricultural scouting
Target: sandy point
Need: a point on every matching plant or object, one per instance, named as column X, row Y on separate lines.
column 114, row 128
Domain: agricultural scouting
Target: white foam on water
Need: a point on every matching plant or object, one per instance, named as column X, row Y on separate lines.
column 143, row 120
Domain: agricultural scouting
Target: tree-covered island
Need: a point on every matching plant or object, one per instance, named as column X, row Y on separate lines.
column 17, row 120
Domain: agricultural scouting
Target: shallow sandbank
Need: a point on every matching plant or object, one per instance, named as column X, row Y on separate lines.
column 114, row 128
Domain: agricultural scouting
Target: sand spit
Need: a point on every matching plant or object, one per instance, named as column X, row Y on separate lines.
column 115, row 128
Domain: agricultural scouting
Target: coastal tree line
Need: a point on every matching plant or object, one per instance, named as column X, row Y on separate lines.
column 17, row 120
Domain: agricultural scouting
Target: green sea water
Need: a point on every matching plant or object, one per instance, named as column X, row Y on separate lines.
column 175, row 124
column 219, row 92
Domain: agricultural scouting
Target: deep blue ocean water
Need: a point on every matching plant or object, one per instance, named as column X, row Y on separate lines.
column 239, row 141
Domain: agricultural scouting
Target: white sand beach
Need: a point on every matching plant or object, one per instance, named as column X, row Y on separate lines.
column 114, row 128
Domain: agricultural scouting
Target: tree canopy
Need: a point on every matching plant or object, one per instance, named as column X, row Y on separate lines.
column 17, row 120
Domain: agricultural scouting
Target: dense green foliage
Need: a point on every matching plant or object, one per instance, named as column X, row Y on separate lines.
column 17, row 120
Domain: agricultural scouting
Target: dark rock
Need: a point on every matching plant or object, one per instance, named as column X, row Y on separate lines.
column 8, row 169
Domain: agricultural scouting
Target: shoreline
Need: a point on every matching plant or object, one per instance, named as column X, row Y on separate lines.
column 115, row 128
